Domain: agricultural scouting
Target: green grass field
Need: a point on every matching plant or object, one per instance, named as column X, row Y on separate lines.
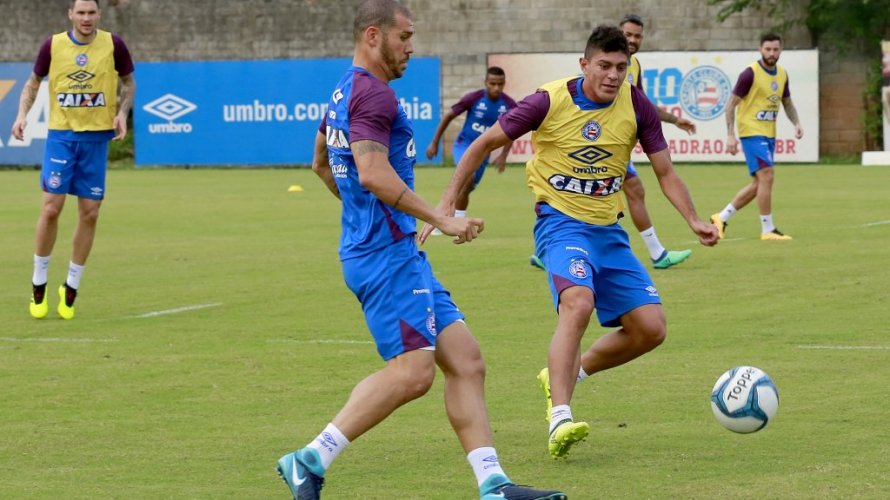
column 132, row 399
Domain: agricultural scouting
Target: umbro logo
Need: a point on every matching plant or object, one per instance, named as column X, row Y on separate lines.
column 589, row 155
column 81, row 76
column 170, row 107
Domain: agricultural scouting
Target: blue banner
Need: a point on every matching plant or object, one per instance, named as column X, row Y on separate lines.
column 30, row 150
column 256, row 112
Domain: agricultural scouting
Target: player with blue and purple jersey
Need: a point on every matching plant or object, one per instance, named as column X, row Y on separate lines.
column 483, row 108
column 757, row 94
column 83, row 66
column 365, row 154
column 583, row 131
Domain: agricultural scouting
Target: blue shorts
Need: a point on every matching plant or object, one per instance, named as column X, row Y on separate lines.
column 759, row 152
column 631, row 170
column 405, row 306
column 458, row 150
column 576, row 253
column 73, row 166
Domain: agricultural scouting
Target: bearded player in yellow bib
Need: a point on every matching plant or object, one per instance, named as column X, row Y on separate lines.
column 83, row 65
column 583, row 131
column 757, row 94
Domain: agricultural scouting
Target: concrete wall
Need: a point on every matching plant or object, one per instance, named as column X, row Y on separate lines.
column 461, row 32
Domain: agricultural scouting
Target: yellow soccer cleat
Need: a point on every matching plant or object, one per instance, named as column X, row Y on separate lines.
column 566, row 434
column 775, row 235
column 717, row 221
column 38, row 308
column 544, row 382
column 66, row 301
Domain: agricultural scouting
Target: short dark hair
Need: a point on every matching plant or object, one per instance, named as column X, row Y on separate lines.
column 632, row 18
column 771, row 37
column 72, row 2
column 606, row 38
column 496, row 71
column 379, row 13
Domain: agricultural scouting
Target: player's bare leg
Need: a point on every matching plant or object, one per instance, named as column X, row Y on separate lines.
column 642, row 330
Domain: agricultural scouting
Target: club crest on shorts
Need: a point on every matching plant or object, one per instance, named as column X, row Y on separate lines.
column 578, row 269
column 591, row 130
column 431, row 323
column 55, row 181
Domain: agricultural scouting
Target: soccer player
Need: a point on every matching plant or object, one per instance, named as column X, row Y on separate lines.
column 757, row 93
column 483, row 107
column 588, row 123
column 84, row 66
column 365, row 155
column 632, row 26
column 634, row 192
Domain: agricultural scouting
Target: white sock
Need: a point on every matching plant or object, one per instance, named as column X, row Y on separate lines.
column 74, row 274
column 766, row 223
column 727, row 212
column 41, row 264
column 485, row 464
column 651, row 240
column 558, row 414
column 460, row 213
column 581, row 374
column 329, row 444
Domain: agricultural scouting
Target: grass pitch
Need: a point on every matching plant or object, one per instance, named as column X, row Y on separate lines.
column 214, row 334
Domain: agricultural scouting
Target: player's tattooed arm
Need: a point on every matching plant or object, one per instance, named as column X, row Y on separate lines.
column 128, row 92
column 730, row 114
column 361, row 148
column 29, row 95
column 790, row 110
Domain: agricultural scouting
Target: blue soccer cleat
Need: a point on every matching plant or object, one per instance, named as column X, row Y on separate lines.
column 499, row 487
column 303, row 473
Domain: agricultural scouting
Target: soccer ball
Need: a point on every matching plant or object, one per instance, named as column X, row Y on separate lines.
column 744, row 399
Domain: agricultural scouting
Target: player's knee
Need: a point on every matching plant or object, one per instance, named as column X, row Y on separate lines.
column 654, row 335
column 577, row 304
column 90, row 216
column 51, row 211
column 417, row 381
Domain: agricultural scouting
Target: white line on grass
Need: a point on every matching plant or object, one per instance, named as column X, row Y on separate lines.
column 847, row 347
column 320, row 341
column 878, row 223
column 178, row 310
column 53, row 339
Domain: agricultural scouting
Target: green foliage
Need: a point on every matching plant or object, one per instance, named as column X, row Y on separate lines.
column 200, row 404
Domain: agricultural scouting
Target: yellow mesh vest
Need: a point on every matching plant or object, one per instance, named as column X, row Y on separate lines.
column 633, row 71
column 581, row 156
column 82, row 84
column 758, row 110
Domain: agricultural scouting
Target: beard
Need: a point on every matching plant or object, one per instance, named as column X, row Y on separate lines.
column 389, row 59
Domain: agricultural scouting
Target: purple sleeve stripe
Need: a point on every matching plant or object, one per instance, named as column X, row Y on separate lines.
column 41, row 66
column 123, row 62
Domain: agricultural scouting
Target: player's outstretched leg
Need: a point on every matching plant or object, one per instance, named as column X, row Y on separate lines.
column 670, row 258
column 499, row 487
column 39, row 306
column 303, row 474
column 565, row 435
